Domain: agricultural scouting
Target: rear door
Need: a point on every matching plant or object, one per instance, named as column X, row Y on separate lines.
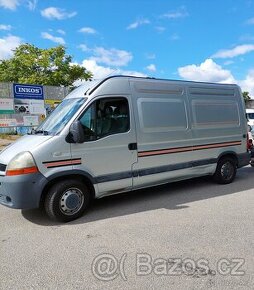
column 107, row 154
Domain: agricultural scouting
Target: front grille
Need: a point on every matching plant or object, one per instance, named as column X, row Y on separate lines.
column 2, row 167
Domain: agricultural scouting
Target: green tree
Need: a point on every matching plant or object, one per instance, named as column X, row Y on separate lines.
column 34, row 65
column 246, row 97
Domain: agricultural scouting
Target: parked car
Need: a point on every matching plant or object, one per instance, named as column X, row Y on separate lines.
column 251, row 145
column 250, row 117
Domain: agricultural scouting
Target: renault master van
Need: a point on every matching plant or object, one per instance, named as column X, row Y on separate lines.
column 121, row 134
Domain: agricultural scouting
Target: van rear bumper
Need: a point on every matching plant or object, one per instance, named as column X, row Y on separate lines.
column 22, row 191
column 243, row 159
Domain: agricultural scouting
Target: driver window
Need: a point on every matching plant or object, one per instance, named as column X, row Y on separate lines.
column 88, row 123
column 106, row 117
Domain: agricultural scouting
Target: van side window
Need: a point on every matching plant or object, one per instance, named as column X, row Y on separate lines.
column 162, row 114
column 218, row 113
column 105, row 117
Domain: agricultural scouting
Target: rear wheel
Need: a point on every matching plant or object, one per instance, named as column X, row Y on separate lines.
column 67, row 200
column 225, row 171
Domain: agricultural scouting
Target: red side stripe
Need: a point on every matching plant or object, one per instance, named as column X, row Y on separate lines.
column 188, row 148
column 62, row 163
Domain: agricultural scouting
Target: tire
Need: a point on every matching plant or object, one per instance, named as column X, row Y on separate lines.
column 225, row 171
column 67, row 200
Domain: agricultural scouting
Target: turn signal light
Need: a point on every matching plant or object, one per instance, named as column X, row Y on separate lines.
column 21, row 171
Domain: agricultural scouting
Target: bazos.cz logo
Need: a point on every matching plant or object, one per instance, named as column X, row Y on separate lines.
column 107, row 267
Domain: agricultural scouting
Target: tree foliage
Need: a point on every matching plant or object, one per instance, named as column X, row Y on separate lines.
column 34, row 65
column 246, row 97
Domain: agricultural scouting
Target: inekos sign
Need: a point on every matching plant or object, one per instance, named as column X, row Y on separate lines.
column 28, row 91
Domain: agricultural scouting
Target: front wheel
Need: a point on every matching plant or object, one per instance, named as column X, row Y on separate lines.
column 67, row 200
column 225, row 171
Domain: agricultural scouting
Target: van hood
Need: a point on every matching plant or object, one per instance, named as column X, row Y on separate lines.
column 25, row 143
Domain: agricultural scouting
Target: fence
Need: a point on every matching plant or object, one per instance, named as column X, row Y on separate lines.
column 21, row 112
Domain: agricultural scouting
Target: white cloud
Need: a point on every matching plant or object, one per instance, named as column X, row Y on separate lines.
column 113, row 57
column 174, row 37
column 55, row 39
column 31, row 4
column 61, row 31
column 208, row 71
column 84, row 47
column 151, row 67
column 13, row 4
column 9, row 4
column 236, row 51
column 228, row 62
column 160, row 29
column 100, row 72
column 150, row 55
column 5, row 27
column 248, row 83
column 246, row 37
column 138, row 23
column 88, row 30
column 132, row 73
column 57, row 13
column 7, row 45
column 250, row 21
column 176, row 14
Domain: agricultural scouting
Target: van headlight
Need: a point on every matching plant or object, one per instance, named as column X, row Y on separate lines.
column 22, row 163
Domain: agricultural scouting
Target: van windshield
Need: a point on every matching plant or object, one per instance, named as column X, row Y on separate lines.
column 57, row 120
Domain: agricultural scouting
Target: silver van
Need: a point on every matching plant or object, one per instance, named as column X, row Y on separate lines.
column 125, row 133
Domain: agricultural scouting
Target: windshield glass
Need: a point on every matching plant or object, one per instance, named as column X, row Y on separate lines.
column 57, row 120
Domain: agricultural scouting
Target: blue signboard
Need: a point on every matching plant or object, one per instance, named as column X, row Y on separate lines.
column 28, row 91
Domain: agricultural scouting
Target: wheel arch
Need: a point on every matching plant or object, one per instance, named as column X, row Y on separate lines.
column 230, row 154
column 71, row 174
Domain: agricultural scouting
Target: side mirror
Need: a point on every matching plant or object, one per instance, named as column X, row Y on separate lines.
column 76, row 134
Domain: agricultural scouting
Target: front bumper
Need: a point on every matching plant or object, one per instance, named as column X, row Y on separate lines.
column 22, row 191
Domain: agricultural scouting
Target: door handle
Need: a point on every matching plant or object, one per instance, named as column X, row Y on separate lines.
column 133, row 146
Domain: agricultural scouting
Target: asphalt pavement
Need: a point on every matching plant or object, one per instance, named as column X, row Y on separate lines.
column 186, row 235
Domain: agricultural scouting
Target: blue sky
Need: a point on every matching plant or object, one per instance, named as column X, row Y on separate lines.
column 193, row 40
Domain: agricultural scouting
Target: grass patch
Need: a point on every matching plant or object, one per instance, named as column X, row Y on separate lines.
column 9, row 136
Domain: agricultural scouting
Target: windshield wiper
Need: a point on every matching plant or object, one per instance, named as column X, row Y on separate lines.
column 41, row 132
